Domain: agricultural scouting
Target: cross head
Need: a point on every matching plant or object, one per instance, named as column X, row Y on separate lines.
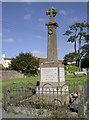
column 51, row 12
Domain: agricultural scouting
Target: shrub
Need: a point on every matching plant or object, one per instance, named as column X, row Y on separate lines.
column 71, row 68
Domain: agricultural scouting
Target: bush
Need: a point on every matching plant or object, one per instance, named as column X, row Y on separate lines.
column 25, row 63
column 71, row 68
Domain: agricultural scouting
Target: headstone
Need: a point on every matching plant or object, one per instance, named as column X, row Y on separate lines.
column 52, row 71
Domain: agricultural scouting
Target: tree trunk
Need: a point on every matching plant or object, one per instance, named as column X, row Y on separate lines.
column 79, row 54
column 75, row 48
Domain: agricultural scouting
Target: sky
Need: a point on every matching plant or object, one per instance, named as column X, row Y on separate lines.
column 24, row 30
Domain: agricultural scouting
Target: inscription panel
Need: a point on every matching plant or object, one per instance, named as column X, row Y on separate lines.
column 62, row 74
column 49, row 74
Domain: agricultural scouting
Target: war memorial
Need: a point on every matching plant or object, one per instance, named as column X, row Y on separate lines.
column 52, row 71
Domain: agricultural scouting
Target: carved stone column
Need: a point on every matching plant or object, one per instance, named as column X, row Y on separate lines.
column 52, row 40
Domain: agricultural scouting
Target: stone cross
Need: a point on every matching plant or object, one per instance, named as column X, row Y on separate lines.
column 52, row 41
column 51, row 13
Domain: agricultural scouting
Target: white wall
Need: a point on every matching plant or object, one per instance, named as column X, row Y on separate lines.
column 5, row 63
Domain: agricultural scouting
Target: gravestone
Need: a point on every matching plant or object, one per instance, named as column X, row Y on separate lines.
column 52, row 71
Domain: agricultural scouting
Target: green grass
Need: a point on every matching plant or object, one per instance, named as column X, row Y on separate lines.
column 79, row 79
column 69, row 79
column 24, row 80
column 75, row 81
column 20, row 81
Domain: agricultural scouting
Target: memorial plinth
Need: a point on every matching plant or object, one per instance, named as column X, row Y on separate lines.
column 52, row 73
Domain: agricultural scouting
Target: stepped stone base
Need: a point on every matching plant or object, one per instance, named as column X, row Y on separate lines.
column 51, row 84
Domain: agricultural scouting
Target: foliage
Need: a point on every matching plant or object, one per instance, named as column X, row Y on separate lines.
column 71, row 68
column 40, row 111
column 69, row 57
column 45, row 105
column 85, row 51
column 25, row 63
column 77, row 32
column 85, row 63
column 85, row 55
column 87, row 110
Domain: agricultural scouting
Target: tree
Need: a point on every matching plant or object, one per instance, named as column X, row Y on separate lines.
column 85, row 55
column 85, row 51
column 73, row 31
column 85, row 63
column 25, row 63
column 77, row 32
column 69, row 57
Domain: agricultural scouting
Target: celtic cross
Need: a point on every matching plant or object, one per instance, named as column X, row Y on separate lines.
column 51, row 13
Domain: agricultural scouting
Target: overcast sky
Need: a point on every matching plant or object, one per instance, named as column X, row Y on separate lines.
column 24, row 30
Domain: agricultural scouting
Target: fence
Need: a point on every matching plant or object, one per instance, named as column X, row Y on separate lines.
column 86, row 89
column 34, row 97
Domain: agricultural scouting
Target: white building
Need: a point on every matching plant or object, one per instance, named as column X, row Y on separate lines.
column 72, row 62
column 5, row 61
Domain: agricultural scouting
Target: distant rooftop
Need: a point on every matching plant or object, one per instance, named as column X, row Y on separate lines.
column 45, row 59
column 40, row 59
column 7, row 58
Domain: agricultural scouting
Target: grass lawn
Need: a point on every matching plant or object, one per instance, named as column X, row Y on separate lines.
column 32, row 80
column 75, row 81
column 79, row 79
column 69, row 79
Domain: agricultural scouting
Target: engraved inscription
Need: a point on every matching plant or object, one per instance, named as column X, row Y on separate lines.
column 49, row 74
column 62, row 74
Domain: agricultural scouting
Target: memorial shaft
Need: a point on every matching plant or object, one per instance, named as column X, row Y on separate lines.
column 52, row 40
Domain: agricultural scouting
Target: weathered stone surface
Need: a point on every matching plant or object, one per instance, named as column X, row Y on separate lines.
column 51, row 84
column 52, row 41
column 52, row 71
column 49, row 74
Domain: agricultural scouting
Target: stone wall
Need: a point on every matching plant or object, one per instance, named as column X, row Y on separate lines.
column 5, row 75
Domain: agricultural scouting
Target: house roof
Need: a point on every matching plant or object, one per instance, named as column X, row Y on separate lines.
column 7, row 58
column 45, row 59
column 40, row 59
column 61, row 61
